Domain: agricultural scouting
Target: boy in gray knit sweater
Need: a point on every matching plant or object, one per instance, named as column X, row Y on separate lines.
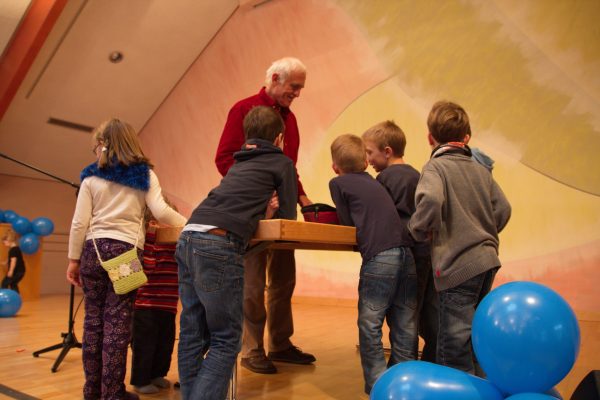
column 461, row 209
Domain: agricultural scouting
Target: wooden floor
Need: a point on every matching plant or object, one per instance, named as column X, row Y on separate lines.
column 327, row 330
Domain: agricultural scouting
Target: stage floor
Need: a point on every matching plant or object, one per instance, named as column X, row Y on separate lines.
column 324, row 327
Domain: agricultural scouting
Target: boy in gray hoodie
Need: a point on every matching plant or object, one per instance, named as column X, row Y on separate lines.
column 461, row 209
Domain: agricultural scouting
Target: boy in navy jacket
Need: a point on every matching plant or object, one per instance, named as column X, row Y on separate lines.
column 210, row 255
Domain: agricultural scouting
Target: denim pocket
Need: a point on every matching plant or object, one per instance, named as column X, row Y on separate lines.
column 210, row 269
column 378, row 280
column 465, row 294
column 375, row 291
column 407, row 291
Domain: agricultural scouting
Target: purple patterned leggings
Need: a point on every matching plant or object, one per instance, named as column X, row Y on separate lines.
column 107, row 324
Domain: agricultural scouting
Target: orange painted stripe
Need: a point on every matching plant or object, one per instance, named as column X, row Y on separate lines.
column 26, row 43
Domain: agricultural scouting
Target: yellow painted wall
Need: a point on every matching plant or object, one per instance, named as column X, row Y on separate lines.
column 528, row 74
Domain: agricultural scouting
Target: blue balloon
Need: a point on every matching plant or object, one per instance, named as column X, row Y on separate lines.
column 10, row 215
column 29, row 243
column 531, row 396
column 550, row 394
column 554, row 393
column 2, row 219
column 21, row 225
column 42, row 226
column 426, row 381
column 526, row 337
column 10, row 302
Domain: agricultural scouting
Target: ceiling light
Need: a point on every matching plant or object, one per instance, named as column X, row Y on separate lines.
column 70, row 124
column 115, row 57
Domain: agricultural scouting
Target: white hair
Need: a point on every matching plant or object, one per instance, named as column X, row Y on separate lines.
column 283, row 67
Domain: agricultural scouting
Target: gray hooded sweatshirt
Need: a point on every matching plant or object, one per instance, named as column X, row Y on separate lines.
column 461, row 209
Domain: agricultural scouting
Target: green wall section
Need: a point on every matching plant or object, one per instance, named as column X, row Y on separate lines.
column 508, row 65
column 547, row 215
column 532, row 96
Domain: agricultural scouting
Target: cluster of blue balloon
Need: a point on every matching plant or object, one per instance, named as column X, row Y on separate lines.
column 30, row 231
column 10, row 303
column 526, row 339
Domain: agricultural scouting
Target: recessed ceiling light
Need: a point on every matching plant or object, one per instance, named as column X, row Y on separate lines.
column 115, row 57
column 70, row 124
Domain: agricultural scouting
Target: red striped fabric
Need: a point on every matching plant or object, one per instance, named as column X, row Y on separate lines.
column 161, row 291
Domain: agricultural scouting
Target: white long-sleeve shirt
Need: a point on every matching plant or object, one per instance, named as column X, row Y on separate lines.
column 115, row 212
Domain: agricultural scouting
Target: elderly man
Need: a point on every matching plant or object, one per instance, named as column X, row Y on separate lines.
column 274, row 270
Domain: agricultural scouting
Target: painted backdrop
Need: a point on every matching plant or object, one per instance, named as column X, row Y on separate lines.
column 528, row 74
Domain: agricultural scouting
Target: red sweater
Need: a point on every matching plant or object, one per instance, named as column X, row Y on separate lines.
column 232, row 137
column 161, row 291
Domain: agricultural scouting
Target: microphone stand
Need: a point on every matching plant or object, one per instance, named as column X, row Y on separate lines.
column 76, row 186
column 69, row 339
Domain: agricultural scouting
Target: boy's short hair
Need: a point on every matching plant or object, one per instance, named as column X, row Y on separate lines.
column 388, row 134
column 448, row 122
column 263, row 123
column 349, row 154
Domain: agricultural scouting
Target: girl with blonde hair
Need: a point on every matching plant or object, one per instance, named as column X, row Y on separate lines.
column 115, row 190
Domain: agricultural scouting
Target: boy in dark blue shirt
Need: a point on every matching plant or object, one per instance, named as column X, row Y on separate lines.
column 385, row 144
column 210, row 255
column 388, row 282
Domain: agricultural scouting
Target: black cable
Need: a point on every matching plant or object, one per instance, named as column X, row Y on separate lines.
column 69, row 339
column 76, row 186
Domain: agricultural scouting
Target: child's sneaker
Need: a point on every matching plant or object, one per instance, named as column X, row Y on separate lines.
column 146, row 389
column 131, row 396
column 161, row 382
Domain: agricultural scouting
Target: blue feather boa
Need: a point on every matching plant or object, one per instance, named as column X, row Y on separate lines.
column 135, row 176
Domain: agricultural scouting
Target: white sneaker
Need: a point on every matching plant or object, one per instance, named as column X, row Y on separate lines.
column 161, row 382
column 147, row 389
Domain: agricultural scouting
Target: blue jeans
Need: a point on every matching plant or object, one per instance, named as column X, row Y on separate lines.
column 387, row 289
column 211, row 282
column 457, row 308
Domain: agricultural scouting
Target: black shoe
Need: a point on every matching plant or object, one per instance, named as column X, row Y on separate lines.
column 259, row 364
column 292, row 355
column 131, row 396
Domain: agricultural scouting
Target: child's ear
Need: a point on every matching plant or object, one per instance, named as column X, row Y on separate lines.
column 335, row 168
column 388, row 151
column 431, row 140
column 466, row 139
column 279, row 141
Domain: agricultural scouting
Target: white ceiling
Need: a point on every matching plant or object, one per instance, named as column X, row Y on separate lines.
column 72, row 78
column 11, row 12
